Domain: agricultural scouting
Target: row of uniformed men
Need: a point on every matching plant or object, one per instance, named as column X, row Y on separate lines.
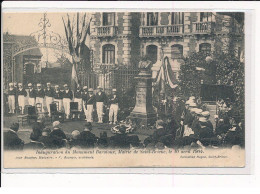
column 85, row 98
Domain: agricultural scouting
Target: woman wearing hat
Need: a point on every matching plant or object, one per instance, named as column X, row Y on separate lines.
column 11, row 98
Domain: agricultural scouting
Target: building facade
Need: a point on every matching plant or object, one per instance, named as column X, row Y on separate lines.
column 123, row 38
column 20, row 64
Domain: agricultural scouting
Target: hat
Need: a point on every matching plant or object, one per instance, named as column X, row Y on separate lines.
column 198, row 111
column 160, row 122
column 205, row 114
column 65, row 85
column 203, row 119
column 88, row 125
column 15, row 126
column 20, row 84
column 11, row 84
column 29, row 84
column 85, row 87
column 46, row 130
column 192, row 97
column 99, row 87
column 187, row 102
column 192, row 104
column 39, row 85
column 114, row 90
column 193, row 110
column 48, row 83
column 55, row 124
column 90, row 90
column 57, row 86
column 75, row 134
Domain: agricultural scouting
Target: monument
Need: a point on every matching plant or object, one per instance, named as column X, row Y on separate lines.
column 143, row 112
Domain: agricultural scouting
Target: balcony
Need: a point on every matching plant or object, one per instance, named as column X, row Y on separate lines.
column 154, row 31
column 106, row 31
column 202, row 27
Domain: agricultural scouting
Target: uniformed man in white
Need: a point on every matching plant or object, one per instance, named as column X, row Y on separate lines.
column 32, row 95
column 78, row 98
column 21, row 97
column 49, row 94
column 84, row 100
column 90, row 103
column 100, row 101
column 113, row 110
column 67, row 98
column 11, row 98
column 39, row 97
column 58, row 97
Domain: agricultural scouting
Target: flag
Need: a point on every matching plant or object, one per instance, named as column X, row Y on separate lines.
column 165, row 75
column 74, row 79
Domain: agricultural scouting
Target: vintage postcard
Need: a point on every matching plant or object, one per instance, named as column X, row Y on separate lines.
column 123, row 89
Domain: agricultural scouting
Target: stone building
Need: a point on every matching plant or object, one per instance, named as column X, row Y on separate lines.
column 123, row 38
column 20, row 59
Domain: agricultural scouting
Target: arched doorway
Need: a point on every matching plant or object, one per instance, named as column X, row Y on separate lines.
column 151, row 53
column 29, row 76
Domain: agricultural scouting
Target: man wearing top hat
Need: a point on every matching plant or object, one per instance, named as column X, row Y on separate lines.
column 21, row 97
column 101, row 99
column 58, row 96
column 85, row 99
column 78, row 97
column 67, row 98
column 32, row 95
column 89, row 105
column 40, row 96
column 113, row 110
column 49, row 94
column 11, row 98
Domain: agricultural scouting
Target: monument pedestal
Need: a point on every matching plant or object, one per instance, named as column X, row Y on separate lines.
column 143, row 113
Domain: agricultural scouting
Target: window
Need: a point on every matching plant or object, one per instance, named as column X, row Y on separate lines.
column 152, row 18
column 205, row 48
column 151, row 53
column 177, row 51
column 108, row 19
column 177, row 18
column 108, row 56
column 205, row 17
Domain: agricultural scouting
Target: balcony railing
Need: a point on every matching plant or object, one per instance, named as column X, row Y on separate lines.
column 201, row 27
column 104, row 31
column 168, row 30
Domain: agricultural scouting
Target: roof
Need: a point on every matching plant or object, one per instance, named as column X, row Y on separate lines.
column 22, row 40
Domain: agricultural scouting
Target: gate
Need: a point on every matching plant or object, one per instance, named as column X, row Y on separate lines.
column 120, row 77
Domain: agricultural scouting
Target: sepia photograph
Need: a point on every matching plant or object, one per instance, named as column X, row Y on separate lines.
column 123, row 89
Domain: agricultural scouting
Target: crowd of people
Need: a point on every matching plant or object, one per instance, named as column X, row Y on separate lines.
column 87, row 101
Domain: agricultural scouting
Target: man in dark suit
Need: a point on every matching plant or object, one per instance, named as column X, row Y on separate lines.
column 47, row 140
column 87, row 138
column 11, row 139
column 120, row 140
column 58, row 135
column 34, row 144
